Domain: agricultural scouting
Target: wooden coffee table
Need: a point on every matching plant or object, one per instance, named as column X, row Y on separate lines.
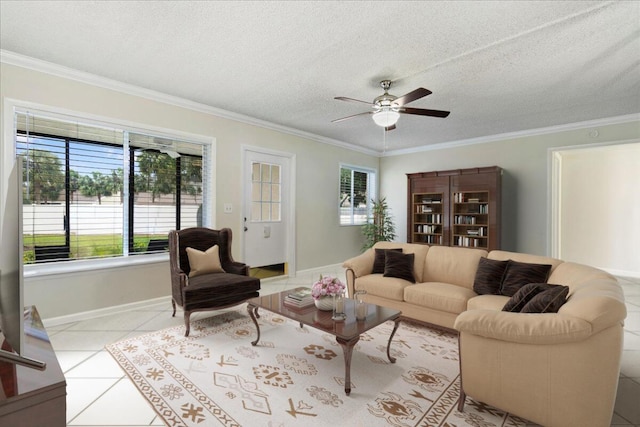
column 347, row 332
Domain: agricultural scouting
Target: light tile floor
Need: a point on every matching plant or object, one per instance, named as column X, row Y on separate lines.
column 100, row 394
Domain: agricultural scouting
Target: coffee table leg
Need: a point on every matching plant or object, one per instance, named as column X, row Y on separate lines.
column 253, row 313
column 395, row 328
column 347, row 349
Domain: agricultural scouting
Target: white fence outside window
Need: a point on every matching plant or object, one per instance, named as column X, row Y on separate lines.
column 91, row 219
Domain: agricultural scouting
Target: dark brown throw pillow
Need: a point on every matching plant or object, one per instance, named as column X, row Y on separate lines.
column 524, row 295
column 399, row 265
column 378, row 261
column 548, row 301
column 489, row 276
column 519, row 274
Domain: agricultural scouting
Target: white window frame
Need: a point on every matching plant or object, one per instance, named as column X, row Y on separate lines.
column 8, row 150
column 372, row 176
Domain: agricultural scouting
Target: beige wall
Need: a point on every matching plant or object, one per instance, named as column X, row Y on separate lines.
column 525, row 183
column 317, row 166
column 600, row 207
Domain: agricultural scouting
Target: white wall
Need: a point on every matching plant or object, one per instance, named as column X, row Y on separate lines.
column 600, row 207
column 316, row 187
column 525, row 183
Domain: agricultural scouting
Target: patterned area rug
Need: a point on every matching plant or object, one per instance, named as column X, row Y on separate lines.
column 295, row 376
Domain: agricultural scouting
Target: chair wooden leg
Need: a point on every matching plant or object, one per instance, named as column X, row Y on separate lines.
column 461, row 399
column 187, row 325
column 173, row 303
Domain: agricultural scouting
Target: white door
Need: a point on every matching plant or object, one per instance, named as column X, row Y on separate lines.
column 266, row 208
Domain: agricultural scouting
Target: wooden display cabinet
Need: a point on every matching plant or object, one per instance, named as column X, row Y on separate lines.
column 458, row 207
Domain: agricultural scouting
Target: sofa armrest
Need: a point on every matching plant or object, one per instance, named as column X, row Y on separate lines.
column 523, row 328
column 361, row 264
column 358, row 266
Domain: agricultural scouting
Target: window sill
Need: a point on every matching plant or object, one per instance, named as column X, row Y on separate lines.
column 66, row 267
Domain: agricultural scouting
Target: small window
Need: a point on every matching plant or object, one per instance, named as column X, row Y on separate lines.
column 266, row 189
column 357, row 189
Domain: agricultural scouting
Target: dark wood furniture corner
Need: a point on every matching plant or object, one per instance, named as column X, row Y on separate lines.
column 30, row 397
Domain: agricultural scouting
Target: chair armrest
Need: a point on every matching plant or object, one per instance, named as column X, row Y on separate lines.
column 237, row 268
column 179, row 281
column 523, row 328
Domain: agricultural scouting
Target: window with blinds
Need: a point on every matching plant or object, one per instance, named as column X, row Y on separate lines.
column 357, row 189
column 94, row 191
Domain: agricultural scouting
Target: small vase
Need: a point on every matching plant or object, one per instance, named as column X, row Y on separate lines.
column 324, row 303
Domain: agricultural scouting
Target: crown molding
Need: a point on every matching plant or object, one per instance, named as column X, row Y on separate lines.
column 12, row 58
column 519, row 134
column 18, row 60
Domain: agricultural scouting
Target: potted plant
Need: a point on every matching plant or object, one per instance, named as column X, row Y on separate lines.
column 380, row 227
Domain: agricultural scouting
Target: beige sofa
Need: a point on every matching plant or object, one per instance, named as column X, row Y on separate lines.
column 555, row 369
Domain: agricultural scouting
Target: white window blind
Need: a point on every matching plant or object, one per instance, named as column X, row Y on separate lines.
column 92, row 191
column 357, row 189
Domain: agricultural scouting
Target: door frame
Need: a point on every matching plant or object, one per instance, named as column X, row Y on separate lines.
column 291, row 212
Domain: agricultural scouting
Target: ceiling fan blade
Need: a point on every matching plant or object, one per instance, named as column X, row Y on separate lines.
column 388, row 128
column 424, row 112
column 412, row 96
column 344, row 98
column 351, row 117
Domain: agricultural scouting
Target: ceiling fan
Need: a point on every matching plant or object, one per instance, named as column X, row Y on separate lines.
column 386, row 108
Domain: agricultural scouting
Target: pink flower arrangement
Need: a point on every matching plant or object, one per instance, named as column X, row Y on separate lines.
column 327, row 286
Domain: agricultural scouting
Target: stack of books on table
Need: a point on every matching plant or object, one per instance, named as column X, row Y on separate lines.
column 299, row 298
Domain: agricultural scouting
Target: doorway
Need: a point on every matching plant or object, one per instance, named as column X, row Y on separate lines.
column 268, row 212
column 594, row 206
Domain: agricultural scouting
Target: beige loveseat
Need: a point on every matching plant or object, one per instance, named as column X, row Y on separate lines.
column 555, row 369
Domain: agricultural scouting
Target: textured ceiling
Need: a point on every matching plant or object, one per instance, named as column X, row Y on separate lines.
column 499, row 67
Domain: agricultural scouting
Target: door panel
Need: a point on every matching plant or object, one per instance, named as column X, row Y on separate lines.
column 266, row 208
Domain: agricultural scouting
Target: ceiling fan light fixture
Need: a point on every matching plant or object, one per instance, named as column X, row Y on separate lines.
column 386, row 118
column 170, row 153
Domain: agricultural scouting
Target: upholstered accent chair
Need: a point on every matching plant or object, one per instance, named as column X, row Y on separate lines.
column 204, row 275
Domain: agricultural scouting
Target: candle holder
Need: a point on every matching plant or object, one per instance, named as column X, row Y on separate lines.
column 338, row 307
column 360, row 306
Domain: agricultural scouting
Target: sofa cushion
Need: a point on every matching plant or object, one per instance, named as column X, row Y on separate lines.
column 548, row 301
column 487, row 302
column 218, row 289
column 452, row 265
column 399, row 265
column 524, row 295
column 521, row 257
column 519, row 274
column 439, row 296
column 489, row 276
column 380, row 256
column 384, row 287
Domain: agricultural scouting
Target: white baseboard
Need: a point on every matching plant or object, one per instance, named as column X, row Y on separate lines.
column 312, row 273
column 623, row 273
column 85, row 315
column 332, row 269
